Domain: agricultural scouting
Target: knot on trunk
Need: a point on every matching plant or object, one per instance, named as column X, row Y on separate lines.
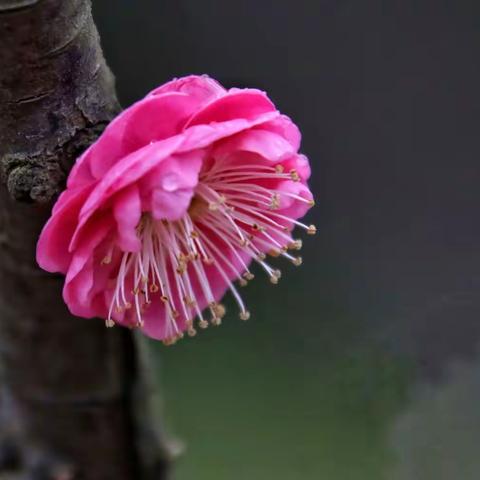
column 40, row 177
column 32, row 180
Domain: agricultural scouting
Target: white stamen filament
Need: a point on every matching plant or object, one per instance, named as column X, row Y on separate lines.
column 230, row 217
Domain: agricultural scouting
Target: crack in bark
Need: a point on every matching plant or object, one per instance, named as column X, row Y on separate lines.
column 33, row 98
column 9, row 6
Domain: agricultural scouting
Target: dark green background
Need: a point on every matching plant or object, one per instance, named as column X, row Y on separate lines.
column 363, row 363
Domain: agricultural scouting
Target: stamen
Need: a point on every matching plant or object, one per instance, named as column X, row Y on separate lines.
column 297, row 261
column 294, row 175
column 295, row 245
column 231, row 220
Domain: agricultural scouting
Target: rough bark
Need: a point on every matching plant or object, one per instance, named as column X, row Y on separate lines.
column 71, row 389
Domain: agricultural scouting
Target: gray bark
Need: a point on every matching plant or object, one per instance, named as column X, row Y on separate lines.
column 74, row 402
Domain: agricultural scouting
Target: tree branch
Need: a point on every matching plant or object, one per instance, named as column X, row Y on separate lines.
column 56, row 93
column 68, row 384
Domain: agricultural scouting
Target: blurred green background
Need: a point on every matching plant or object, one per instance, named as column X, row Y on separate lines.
column 363, row 363
column 286, row 395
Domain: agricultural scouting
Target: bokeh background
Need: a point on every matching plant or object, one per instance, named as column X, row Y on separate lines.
column 363, row 364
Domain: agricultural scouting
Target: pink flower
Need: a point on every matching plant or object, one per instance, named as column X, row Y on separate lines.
column 171, row 204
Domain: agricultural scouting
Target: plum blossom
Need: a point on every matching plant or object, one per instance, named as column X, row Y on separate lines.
column 168, row 208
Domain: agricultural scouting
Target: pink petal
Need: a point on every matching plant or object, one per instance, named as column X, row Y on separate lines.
column 95, row 232
column 52, row 246
column 155, row 320
column 201, row 87
column 126, row 172
column 169, row 187
column 264, row 143
column 299, row 163
column 283, row 126
column 151, row 119
column 291, row 207
column 76, row 293
column 236, row 104
column 84, row 290
column 127, row 211
column 201, row 136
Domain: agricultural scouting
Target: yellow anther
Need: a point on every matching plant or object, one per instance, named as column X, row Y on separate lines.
column 312, row 230
column 275, row 201
column 258, row 228
column 294, row 175
column 153, row 288
column 277, row 273
column 295, row 245
column 279, row 168
column 106, row 260
column 170, row 341
column 297, row 261
column 219, row 310
column 181, row 268
column 203, row 324
column 109, row 323
column 216, row 321
column 189, row 302
column 245, row 315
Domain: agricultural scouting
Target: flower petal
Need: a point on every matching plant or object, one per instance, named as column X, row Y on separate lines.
column 236, row 104
column 262, row 142
column 52, row 246
column 283, row 126
column 126, row 172
column 127, row 211
column 200, row 87
column 169, row 187
column 151, row 119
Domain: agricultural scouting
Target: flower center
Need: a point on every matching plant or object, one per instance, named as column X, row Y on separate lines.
column 198, row 207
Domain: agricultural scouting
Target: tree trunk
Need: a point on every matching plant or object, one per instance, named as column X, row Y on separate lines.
column 71, row 389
